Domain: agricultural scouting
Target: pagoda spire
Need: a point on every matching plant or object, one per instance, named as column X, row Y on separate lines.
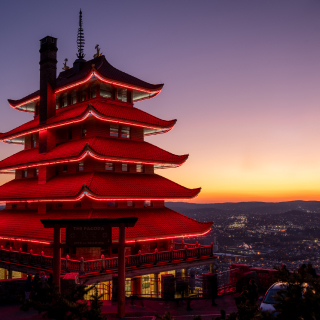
column 80, row 38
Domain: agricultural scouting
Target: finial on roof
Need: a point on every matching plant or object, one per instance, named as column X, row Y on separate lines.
column 98, row 54
column 80, row 38
column 65, row 67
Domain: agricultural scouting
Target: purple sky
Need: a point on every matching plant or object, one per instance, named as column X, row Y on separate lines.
column 241, row 77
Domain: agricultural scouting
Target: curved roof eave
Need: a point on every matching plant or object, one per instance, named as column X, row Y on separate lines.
column 88, row 151
column 156, row 128
column 104, row 71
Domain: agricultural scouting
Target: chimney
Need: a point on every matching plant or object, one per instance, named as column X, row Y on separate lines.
column 48, row 69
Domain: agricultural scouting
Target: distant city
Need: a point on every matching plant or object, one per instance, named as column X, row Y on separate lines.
column 260, row 234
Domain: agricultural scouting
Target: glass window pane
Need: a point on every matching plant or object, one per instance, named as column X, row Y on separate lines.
column 74, row 97
column 114, row 130
column 81, row 166
column 139, row 168
column 106, row 90
column 93, row 91
column 125, row 132
column 124, row 167
column 122, row 94
column 147, row 203
column 109, row 166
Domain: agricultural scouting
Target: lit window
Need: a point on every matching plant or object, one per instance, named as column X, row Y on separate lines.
column 111, row 203
column 114, row 130
column 74, row 97
column 34, row 141
column 125, row 132
column 106, row 90
column 57, row 103
column 24, row 173
column 124, row 167
column 81, row 166
column 84, row 132
column 130, row 203
column 37, row 172
column 139, row 168
column 64, row 100
column 147, row 203
column 93, row 91
column 83, row 95
column 109, row 166
column 122, row 94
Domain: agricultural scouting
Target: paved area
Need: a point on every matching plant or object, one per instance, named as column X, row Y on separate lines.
column 145, row 309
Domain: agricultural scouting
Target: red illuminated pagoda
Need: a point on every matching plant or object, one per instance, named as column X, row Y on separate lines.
column 84, row 156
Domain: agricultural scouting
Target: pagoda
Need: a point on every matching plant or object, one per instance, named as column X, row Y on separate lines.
column 84, row 156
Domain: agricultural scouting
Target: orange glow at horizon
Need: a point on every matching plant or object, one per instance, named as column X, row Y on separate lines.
column 241, row 78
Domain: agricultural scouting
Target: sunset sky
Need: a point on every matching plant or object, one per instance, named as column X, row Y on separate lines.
column 241, row 77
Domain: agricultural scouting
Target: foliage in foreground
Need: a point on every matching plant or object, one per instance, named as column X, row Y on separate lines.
column 70, row 306
column 300, row 300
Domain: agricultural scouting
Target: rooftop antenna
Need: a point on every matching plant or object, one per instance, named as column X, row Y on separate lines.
column 80, row 38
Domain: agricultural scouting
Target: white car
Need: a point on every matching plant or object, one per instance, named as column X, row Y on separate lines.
column 268, row 302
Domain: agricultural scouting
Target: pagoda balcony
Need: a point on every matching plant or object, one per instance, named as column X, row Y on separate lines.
column 181, row 256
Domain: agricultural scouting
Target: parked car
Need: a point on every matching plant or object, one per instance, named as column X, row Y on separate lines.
column 268, row 301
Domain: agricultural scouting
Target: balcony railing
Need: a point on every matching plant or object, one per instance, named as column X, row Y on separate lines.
column 180, row 252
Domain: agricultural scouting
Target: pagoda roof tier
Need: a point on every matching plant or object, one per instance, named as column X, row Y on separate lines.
column 97, row 186
column 100, row 148
column 152, row 224
column 98, row 68
column 100, row 108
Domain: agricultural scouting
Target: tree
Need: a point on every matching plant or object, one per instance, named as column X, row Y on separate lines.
column 72, row 305
column 300, row 299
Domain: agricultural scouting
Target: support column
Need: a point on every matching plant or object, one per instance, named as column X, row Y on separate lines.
column 56, row 268
column 9, row 274
column 167, row 286
column 156, row 284
column 192, row 280
column 211, row 268
column 121, row 271
column 136, row 286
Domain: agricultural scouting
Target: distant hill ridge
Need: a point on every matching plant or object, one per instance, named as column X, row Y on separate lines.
column 254, row 207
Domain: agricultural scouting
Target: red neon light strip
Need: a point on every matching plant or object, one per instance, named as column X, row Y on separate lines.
column 27, row 240
column 170, row 237
column 96, row 74
column 75, row 84
column 130, row 241
column 23, row 103
column 82, row 119
column 96, row 198
column 95, row 156
column 124, row 85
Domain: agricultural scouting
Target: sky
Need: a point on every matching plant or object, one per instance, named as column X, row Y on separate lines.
column 241, row 77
